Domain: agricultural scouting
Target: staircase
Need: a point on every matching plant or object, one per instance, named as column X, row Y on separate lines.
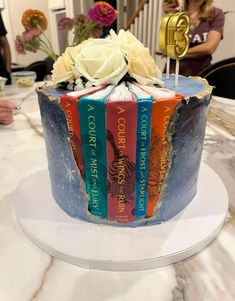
column 144, row 21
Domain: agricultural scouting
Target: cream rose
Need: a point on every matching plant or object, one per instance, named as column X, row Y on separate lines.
column 126, row 41
column 63, row 66
column 100, row 61
column 141, row 65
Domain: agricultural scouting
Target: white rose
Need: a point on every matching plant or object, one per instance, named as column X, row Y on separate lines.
column 73, row 52
column 127, row 41
column 63, row 67
column 101, row 61
column 142, row 67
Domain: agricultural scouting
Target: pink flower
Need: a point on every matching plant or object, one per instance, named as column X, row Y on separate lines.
column 81, row 19
column 102, row 13
column 29, row 35
column 85, row 28
column 19, row 45
column 31, row 40
column 65, row 24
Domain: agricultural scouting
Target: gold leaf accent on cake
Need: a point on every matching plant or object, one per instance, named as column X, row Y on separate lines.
column 207, row 91
column 82, row 188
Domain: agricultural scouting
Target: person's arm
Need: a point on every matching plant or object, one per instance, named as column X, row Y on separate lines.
column 206, row 48
column 6, row 53
column 6, row 111
column 169, row 6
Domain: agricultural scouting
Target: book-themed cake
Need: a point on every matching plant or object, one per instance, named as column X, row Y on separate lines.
column 124, row 148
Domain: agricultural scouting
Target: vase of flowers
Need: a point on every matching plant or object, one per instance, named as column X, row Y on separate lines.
column 34, row 37
column 81, row 27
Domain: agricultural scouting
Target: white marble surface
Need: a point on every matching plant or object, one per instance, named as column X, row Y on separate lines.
column 120, row 249
column 27, row 273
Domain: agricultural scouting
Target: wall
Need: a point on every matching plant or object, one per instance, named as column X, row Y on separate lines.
column 227, row 45
column 12, row 18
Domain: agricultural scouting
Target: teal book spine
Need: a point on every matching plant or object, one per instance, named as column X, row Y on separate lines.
column 93, row 137
column 142, row 155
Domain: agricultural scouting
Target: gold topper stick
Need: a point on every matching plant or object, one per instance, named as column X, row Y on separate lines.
column 174, row 39
column 162, row 40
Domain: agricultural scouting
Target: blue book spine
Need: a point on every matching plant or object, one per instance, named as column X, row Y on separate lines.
column 142, row 155
column 93, row 136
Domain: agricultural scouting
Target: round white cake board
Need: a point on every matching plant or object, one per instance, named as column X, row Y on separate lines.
column 113, row 248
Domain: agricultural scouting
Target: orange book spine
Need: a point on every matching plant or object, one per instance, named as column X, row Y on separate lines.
column 162, row 110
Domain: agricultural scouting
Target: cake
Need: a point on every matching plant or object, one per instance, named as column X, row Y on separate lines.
column 127, row 151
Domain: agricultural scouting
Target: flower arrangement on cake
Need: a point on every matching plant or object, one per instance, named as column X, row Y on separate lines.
column 82, row 27
column 96, row 62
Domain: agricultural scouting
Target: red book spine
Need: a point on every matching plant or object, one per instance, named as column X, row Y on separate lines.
column 162, row 110
column 69, row 105
column 121, row 128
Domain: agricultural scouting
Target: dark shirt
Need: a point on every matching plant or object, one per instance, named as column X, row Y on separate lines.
column 3, row 31
column 193, row 66
column 3, row 71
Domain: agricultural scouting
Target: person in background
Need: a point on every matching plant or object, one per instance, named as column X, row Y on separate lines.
column 6, row 111
column 5, row 53
column 206, row 31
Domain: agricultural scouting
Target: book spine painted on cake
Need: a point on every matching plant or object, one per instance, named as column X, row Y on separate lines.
column 93, row 133
column 121, row 157
column 142, row 155
column 69, row 105
column 162, row 110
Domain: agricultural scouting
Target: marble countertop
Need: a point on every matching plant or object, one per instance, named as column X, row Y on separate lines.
column 29, row 274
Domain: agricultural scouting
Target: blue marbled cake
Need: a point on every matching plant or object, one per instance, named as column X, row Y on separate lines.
column 185, row 136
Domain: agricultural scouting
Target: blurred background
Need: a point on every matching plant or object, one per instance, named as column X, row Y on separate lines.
column 141, row 17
